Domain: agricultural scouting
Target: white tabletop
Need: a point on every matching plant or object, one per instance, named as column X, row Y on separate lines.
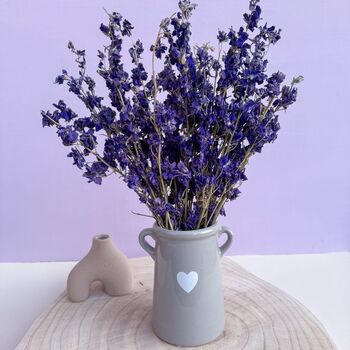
column 320, row 281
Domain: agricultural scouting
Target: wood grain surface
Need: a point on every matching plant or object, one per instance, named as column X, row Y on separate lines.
column 258, row 316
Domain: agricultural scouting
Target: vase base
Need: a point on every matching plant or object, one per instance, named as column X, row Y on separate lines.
column 188, row 340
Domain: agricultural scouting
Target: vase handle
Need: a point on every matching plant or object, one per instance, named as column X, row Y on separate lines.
column 226, row 245
column 144, row 244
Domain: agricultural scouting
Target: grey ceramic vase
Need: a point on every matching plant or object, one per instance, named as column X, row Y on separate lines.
column 104, row 263
column 188, row 303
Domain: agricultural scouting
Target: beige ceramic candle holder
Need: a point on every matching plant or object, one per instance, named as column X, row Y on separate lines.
column 103, row 263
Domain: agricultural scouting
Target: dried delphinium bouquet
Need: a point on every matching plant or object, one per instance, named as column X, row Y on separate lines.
column 180, row 137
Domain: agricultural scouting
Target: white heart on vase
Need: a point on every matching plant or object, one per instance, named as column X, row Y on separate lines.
column 187, row 281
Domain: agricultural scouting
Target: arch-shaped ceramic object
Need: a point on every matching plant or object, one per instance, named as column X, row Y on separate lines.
column 103, row 263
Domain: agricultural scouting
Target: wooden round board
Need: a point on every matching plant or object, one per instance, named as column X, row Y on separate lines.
column 258, row 316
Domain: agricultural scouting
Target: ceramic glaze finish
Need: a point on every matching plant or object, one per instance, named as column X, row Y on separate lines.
column 188, row 307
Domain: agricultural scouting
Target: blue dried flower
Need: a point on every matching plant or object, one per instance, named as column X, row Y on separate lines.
column 138, row 75
column 126, row 28
column 68, row 135
column 222, row 36
column 253, row 17
column 136, row 51
column 78, row 158
column 180, row 137
column 95, row 172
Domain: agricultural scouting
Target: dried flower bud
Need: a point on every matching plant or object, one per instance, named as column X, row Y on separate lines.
column 183, row 59
column 297, row 80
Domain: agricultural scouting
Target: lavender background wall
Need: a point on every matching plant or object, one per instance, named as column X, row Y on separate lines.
column 297, row 198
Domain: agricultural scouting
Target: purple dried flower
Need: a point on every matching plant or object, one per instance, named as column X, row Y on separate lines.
column 126, row 28
column 68, row 135
column 180, row 137
column 78, row 158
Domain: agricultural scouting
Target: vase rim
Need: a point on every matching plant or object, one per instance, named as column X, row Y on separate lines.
column 189, row 234
column 101, row 238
